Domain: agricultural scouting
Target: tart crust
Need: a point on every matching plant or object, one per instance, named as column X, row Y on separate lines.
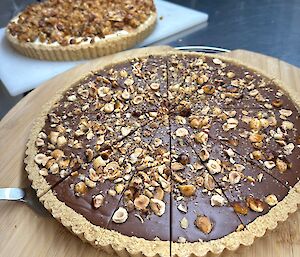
column 104, row 46
column 114, row 242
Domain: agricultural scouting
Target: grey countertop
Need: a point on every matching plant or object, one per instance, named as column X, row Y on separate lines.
column 270, row 27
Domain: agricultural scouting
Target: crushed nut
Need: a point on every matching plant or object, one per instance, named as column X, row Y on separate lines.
column 285, row 113
column 213, row 166
column 217, row 61
column 184, row 223
column 182, row 207
column 257, row 155
column 287, row 125
column 230, row 74
column 80, row 188
column 109, row 108
column 138, row 99
column 158, row 207
column 209, row 182
column 98, row 162
column 175, row 166
column 98, row 201
column 57, row 154
column 195, row 123
column 255, row 204
column 234, row 177
column 187, row 190
column 120, row 215
column 201, row 138
column 281, row 165
column 159, row 193
column 61, row 141
column 53, row 137
column 141, row 202
column 288, row 149
column 271, row 200
column 277, row 103
column 89, row 154
column 41, row 158
column 204, row 224
column 256, row 138
column 184, row 159
column 217, row 200
column 129, row 82
column 204, row 154
column 240, row 208
column 154, row 86
column 208, row 89
column 125, row 95
column 181, row 132
column 269, row 164
column 125, row 131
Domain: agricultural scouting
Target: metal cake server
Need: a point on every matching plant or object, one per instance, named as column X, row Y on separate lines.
column 25, row 195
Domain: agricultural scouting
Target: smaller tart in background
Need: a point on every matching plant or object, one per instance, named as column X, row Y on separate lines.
column 74, row 30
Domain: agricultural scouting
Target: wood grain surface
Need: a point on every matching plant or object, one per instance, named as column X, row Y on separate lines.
column 23, row 232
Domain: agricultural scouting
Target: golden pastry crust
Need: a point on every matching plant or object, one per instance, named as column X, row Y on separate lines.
column 104, row 46
column 114, row 242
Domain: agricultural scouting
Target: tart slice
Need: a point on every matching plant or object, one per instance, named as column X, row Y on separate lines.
column 199, row 211
column 74, row 30
column 266, row 138
column 251, row 191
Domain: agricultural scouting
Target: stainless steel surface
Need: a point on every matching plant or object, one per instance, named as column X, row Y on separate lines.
column 269, row 27
column 24, row 195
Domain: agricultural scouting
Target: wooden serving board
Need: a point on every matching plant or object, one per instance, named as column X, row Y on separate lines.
column 25, row 233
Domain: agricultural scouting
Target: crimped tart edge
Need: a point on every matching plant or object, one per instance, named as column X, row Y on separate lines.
column 114, row 242
column 103, row 47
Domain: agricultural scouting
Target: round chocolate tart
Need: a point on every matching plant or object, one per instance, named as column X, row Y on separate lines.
column 179, row 154
column 60, row 30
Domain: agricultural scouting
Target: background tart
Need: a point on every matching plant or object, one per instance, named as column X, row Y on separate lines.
column 74, row 30
column 174, row 154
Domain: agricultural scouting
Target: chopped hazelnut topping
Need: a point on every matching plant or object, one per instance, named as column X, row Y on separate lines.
column 204, row 224
column 187, row 190
column 271, row 200
column 240, row 208
column 234, row 177
column 120, row 215
column 98, row 201
column 158, row 207
column 141, row 202
column 217, row 200
column 201, row 138
column 184, row 223
column 214, row 167
column 181, row 132
column 80, row 188
column 209, row 182
column 255, row 204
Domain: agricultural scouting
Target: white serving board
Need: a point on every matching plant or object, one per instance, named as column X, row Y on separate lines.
column 20, row 74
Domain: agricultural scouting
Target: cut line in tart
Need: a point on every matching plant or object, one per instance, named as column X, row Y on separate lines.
column 59, row 30
column 205, row 160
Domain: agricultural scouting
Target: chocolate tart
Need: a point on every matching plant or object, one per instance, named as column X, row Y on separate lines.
column 75, row 30
column 169, row 154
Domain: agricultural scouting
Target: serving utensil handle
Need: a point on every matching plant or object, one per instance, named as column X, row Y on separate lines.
column 12, row 194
